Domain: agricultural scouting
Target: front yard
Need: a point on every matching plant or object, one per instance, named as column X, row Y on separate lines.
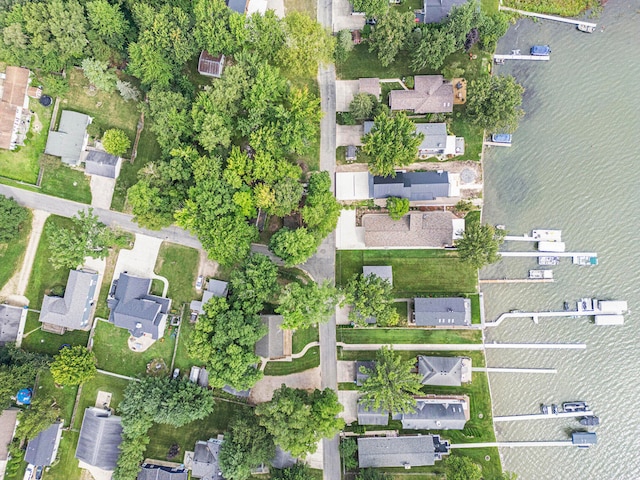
column 12, row 254
column 311, row 359
column 389, row 336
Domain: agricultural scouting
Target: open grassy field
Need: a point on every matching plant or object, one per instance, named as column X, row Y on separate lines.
column 12, row 253
column 22, row 164
column 163, row 436
column 415, row 272
column 311, row 359
column 90, row 389
column 113, row 354
column 389, row 336
column 62, row 181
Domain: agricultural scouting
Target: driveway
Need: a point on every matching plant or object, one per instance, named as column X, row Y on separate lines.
column 345, row 90
column 263, row 390
column 348, row 235
column 102, row 191
column 349, row 400
column 346, row 371
column 349, row 135
column 342, row 18
column 141, row 259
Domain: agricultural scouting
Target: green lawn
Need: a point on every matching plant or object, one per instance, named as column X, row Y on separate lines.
column 163, row 436
column 22, row 164
column 62, row 181
column 402, row 309
column 179, row 265
column 12, row 254
column 304, row 336
column 311, row 359
column 67, row 466
column 49, row 343
column 473, row 134
column 389, row 336
column 65, row 397
column 476, row 356
column 113, row 354
column 106, row 383
column 475, row 308
column 565, row 8
column 415, row 272
column 490, row 6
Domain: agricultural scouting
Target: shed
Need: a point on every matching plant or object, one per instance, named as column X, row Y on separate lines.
column 442, row 312
column 210, row 65
column 385, row 272
column 100, row 438
column 351, row 153
column 238, row 6
column 42, row 450
column 102, row 164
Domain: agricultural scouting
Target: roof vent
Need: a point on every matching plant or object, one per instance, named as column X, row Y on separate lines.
column 138, row 325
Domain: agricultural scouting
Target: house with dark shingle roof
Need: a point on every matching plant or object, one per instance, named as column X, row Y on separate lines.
column 151, row 471
column 405, row 451
column 441, row 371
column 71, row 139
column 436, row 11
column 436, row 413
column 414, row 186
column 442, row 312
column 73, row 310
column 133, row 308
column 430, row 94
column 205, row 459
column 416, row 229
column 10, row 318
column 215, row 288
column 370, row 416
column 361, row 368
column 42, row 450
column 277, row 343
column 102, row 164
column 100, row 438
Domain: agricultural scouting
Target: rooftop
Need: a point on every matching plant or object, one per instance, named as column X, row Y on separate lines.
column 9, row 323
column 370, row 86
column 215, row 288
column 150, row 471
column 277, row 342
column 431, row 94
column 442, row 312
column 41, row 451
column 102, row 164
column 436, row 413
column 8, row 419
column 100, row 438
column 70, row 139
column 360, row 376
column 416, row 229
column 385, row 272
column 74, row 309
column 209, row 65
column 414, row 186
column 371, row 416
column 205, row 459
column 442, row 371
column 407, row 451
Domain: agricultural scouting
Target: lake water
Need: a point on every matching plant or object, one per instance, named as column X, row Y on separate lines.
column 574, row 166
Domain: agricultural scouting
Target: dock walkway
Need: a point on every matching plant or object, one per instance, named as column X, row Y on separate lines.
column 556, row 443
column 548, row 17
column 537, row 58
column 497, row 144
column 513, row 370
column 516, row 280
column 542, row 416
column 548, row 254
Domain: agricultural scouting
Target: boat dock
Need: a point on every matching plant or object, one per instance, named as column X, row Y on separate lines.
column 498, row 58
column 517, row 280
column 496, row 144
column 543, row 416
column 548, row 254
column 533, row 346
column 537, row 236
column 556, row 443
column 513, row 370
column 550, row 17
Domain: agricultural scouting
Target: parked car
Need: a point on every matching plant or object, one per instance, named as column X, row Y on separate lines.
column 176, row 373
column 39, row 472
column 540, row 50
column 28, row 473
column 199, row 282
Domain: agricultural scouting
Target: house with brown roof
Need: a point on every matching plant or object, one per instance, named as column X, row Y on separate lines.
column 414, row 230
column 14, row 107
column 430, row 94
column 210, row 65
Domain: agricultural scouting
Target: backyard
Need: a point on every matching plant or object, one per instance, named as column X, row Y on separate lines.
column 415, row 272
column 12, row 254
column 105, row 383
column 389, row 336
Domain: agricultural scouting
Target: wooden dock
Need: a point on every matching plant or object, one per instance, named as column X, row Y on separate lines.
column 557, row 443
column 514, row 370
column 542, row 416
column 536, row 58
column 549, row 17
column 517, row 280
column 533, row 346
column 548, row 254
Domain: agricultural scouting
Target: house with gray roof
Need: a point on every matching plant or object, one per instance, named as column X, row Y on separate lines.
column 102, row 164
column 442, row 312
column 361, row 368
column 73, row 310
column 368, row 415
column 133, row 308
column 8, row 421
column 42, row 450
column 413, row 186
column 436, row 11
column 10, row 318
column 215, row 288
column 100, row 438
column 440, row 371
column 205, row 459
column 436, row 413
column 430, row 94
column 385, row 272
column 277, row 343
column 406, row 451
column 151, row 471
column 437, row 141
column 71, row 139
column 238, row 6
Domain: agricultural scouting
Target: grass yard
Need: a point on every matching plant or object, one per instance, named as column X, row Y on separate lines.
column 179, row 265
column 415, row 272
column 90, row 389
column 65, row 182
column 311, row 359
column 113, row 354
column 489, row 6
column 67, row 466
column 402, row 308
column 475, row 308
column 183, row 361
column 65, row 397
column 565, row 8
column 304, row 336
column 389, row 336
column 476, row 356
column 12, row 254
column 49, row 343
column 473, row 134
column 22, row 164
column 163, row 436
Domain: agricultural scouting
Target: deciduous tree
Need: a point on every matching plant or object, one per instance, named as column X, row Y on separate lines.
column 298, row 420
column 115, row 141
column 479, row 244
column 370, row 298
column 108, row 22
column 398, row 207
column 42, row 412
column 372, row 8
column 462, row 468
column 293, row 246
column 391, row 142
column 299, row 471
column 391, row 383
column 304, row 305
column 390, row 35
column 307, row 44
column 253, row 284
column 246, row 445
column 73, row 366
column 362, row 105
column 494, row 102
column 99, row 74
column 13, row 218
column 321, row 210
column 344, row 45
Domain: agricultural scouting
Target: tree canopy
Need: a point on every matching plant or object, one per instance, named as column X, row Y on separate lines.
column 115, row 142
column 479, row 244
column 73, row 366
column 392, row 142
column 370, row 297
column 297, row 420
column 398, row 207
column 293, row 246
column 390, row 35
column 18, row 369
column 391, row 383
column 304, row 305
column 372, row 8
column 12, row 219
column 494, row 102
column 462, row 468
column 246, row 445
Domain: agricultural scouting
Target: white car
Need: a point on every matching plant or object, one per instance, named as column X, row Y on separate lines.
column 199, row 282
column 28, row 473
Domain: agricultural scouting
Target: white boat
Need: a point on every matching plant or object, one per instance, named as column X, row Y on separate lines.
column 547, row 235
column 546, row 246
column 541, row 274
column 585, row 260
column 548, row 260
column 586, row 28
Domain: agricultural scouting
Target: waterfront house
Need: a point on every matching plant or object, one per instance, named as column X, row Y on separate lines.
column 14, row 107
column 73, row 310
column 436, row 11
column 443, row 371
column 102, row 164
column 277, row 343
column 414, row 186
column 430, row 94
column 436, row 413
column 436, row 141
column 134, row 308
column 442, row 312
column 71, row 138
column 416, row 229
column 10, row 318
column 205, row 459
column 215, row 288
column 42, row 450
column 370, row 416
column 151, row 471
column 210, row 65
column 99, row 441
column 385, row 272
column 405, row 451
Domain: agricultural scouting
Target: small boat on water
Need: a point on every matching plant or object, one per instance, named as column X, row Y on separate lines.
column 590, row 421
column 575, row 407
column 566, row 306
column 501, row 138
column 554, row 409
column 540, row 50
column 586, row 28
column 541, row 274
column 585, row 260
column 544, row 409
column 548, row 260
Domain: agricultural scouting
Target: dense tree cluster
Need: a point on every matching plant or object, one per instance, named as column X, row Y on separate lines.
column 494, row 102
column 398, row 207
column 73, row 366
column 18, row 369
column 12, row 219
column 370, row 298
column 479, row 244
column 304, row 305
column 246, row 445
